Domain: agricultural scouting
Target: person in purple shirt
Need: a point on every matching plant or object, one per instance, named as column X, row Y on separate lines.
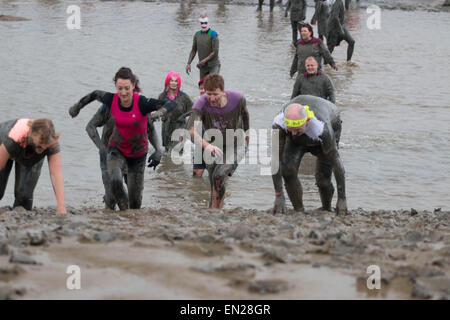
column 218, row 111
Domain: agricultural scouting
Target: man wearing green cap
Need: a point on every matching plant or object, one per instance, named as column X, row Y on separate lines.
column 308, row 124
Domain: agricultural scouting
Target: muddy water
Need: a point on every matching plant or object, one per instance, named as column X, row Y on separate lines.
column 394, row 97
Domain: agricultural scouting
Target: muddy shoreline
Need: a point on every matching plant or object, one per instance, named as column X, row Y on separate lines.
column 198, row 253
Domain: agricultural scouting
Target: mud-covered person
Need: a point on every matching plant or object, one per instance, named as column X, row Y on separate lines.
column 321, row 14
column 103, row 118
column 310, row 46
column 314, row 82
column 206, row 43
column 175, row 119
column 128, row 146
column 308, row 124
column 337, row 31
column 25, row 143
column 220, row 109
column 297, row 16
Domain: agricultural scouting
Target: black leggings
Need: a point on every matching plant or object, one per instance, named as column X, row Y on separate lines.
column 116, row 163
column 25, row 183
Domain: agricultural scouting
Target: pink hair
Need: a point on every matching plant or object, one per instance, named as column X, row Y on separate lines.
column 167, row 81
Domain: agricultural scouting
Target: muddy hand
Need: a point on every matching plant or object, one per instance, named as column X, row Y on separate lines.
column 341, row 207
column 74, row 110
column 279, row 205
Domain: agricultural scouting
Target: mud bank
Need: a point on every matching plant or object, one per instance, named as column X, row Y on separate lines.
column 223, row 254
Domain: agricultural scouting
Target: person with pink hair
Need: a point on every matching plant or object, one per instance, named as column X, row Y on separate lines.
column 175, row 119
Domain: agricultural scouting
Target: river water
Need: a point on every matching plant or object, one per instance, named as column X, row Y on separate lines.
column 394, row 96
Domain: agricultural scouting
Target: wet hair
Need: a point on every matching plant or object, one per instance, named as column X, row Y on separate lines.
column 127, row 74
column 307, row 26
column 214, row 81
column 44, row 129
column 202, row 80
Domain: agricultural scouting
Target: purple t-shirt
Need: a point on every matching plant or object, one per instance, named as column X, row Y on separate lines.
column 219, row 117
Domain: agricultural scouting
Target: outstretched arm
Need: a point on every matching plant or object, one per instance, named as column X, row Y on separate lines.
column 56, row 176
column 101, row 96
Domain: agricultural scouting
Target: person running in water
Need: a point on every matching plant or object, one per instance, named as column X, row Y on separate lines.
column 103, row 118
column 337, row 31
column 128, row 144
column 25, row 143
column 221, row 110
column 320, row 16
column 206, row 42
column 308, row 124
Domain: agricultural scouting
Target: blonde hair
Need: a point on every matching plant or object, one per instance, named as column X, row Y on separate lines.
column 44, row 129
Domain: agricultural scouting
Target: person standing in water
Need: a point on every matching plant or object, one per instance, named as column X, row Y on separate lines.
column 297, row 15
column 25, row 143
column 175, row 119
column 128, row 144
column 206, row 42
column 310, row 46
column 320, row 16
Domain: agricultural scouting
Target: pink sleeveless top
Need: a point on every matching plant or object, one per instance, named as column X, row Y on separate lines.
column 132, row 127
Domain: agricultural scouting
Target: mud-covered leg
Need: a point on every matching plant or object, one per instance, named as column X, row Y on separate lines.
column 26, row 180
column 110, row 201
column 351, row 43
column 294, row 26
column 115, row 162
column 290, row 164
column 135, row 181
column 260, row 3
column 272, row 4
column 219, row 177
column 323, row 182
column 4, row 175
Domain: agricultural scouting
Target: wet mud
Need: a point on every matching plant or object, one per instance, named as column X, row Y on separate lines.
column 197, row 253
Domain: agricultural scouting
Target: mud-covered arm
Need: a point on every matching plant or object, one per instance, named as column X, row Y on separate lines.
column 297, row 87
column 329, row 149
column 147, row 105
column 329, row 90
column 99, row 95
column 276, row 177
column 215, row 50
column 188, row 104
column 294, row 65
column 4, row 156
column 245, row 114
column 326, row 54
column 193, row 50
column 98, row 120
column 153, row 136
column 56, row 176
column 196, row 137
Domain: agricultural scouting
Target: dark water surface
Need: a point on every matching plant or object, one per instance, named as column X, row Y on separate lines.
column 394, row 97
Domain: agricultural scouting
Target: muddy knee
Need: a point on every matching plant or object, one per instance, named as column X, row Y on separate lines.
column 288, row 171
